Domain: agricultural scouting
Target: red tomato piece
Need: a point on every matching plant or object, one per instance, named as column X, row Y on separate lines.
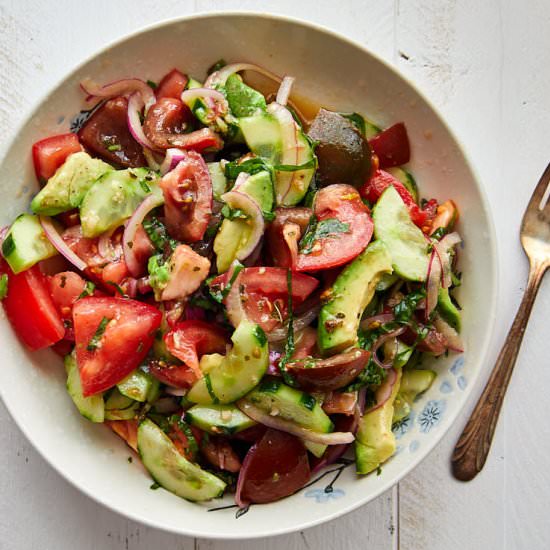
column 113, row 336
column 219, row 453
column 274, row 468
column 381, row 180
column 172, row 85
column 50, row 153
column 188, row 340
column 187, row 193
column 166, row 121
column 306, row 344
column 342, row 203
column 392, row 146
column 30, row 308
column 177, row 376
column 106, row 134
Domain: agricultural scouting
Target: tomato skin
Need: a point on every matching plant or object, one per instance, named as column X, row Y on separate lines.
column 30, row 308
column 188, row 340
column 342, row 202
column 187, row 193
column 381, row 180
column 274, row 468
column 109, row 126
column 392, row 146
column 172, row 85
column 50, row 153
column 165, row 121
column 123, row 345
column 177, row 376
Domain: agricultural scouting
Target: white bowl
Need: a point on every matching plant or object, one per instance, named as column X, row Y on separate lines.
column 336, row 73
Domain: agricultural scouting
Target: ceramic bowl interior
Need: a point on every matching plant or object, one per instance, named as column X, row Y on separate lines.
column 337, row 74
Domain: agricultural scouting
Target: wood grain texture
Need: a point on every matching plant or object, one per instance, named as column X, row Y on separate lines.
column 486, row 66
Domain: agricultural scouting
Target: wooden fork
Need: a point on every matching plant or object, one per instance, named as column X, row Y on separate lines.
column 473, row 445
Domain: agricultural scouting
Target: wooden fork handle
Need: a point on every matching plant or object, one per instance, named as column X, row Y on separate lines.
column 473, row 446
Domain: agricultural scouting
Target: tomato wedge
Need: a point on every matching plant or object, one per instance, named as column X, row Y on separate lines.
column 392, row 146
column 274, row 468
column 177, row 376
column 381, row 180
column 30, row 308
column 172, row 85
column 50, row 153
column 188, row 340
column 125, row 429
column 166, row 121
column 113, row 336
column 107, row 135
column 187, row 193
column 344, row 229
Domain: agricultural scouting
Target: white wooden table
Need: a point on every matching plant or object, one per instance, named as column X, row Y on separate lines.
column 486, row 65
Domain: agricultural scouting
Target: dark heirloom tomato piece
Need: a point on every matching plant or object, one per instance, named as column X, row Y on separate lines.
column 392, row 146
column 30, row 308
column 343, row 152
column 219, row 453
column 187, row 193
column 50, row 153
column 434, row 342
column 189, row 340
column 275, row 467
column 165, row 120
column 106, row 134
column 346, row 233
column 329, row 374
column 284, row 232
column 171, row 85
column 113, row 336
column 381, row 180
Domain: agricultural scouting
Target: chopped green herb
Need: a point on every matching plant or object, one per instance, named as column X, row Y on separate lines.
column 95, row 342
column 324, row 229
column 250, row 166
column 242, row 99
column 154, row 486
column 88, row 290
column 152, row 84
column 296, row 167
column 145, row 186
column 219, row 294
column 130, row 460
column 405, row 309
column 118, row 288
column 158, row 234
column 357, row 120
column 289, row 345
column 3, row 286
column 114, row 147
column 233, row 213
column 439, row 233
column 216, row 66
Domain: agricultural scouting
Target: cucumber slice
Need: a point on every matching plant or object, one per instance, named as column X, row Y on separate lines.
column 172, row 470
column 386, row 280
column 407, row 179
column 120, row 407
column 371, row 129
column 114, row 198
column 350, row 294
column 262, row 134
column 278, row 399
column 241, row 369
column 259, row 187
column 316, row 449
column 404, row 240
column 448, row 310
column 26, row 243
column 139, row 386
column 93, row 407
column 219, row 181
column 219, row 419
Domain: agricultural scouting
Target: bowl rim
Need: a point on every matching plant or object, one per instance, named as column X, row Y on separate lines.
column 493, row 255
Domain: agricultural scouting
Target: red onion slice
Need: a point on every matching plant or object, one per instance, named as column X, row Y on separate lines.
column 301, row 322
column 148, row 204
column 383, row 393
column 380, row 342
column 119, row 87
column 219, row 78
column 334, row 438
column 242, row 476
column 171, row 160
column 454, row 341
column 238, row 200
column 432, row 283
column 135, row 106
column 59, row 244
column 284, row 90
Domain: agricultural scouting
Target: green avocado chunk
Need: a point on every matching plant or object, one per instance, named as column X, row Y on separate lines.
column 349, row 296
column 114, row 197
column 413, row 383
column 67, row 187
column 405, row 241
column 375, row 442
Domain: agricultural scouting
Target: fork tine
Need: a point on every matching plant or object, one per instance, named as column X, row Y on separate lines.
column 540, row 195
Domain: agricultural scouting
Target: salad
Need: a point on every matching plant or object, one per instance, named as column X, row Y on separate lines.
column 239, row 292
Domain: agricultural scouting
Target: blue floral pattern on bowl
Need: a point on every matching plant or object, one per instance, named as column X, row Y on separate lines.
column 322, row 495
